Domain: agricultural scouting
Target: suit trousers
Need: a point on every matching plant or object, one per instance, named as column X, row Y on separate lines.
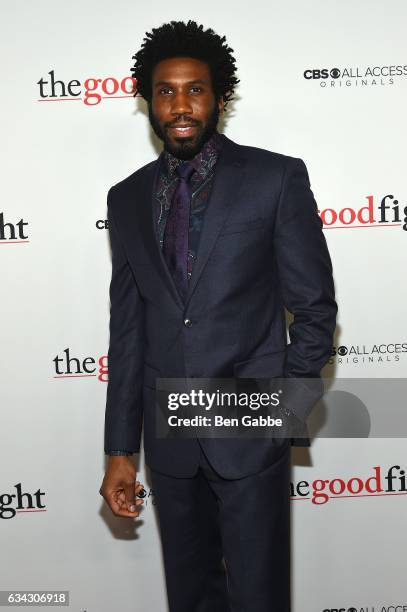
column 226, row 543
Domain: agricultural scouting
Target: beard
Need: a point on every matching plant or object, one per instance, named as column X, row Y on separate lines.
column 185, row 148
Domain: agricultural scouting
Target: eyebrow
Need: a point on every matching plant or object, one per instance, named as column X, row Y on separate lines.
column 201, row 81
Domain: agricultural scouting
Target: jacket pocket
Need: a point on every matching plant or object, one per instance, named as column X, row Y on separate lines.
column 243, row 226
column 268, row 365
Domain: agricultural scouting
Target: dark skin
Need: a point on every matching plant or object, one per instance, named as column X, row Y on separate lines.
column 183, row 110
column 120, row 487
column 182, row 96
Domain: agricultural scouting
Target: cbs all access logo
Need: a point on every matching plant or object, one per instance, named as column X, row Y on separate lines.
column 356, row 76
column 359, row 354
column 381, row 608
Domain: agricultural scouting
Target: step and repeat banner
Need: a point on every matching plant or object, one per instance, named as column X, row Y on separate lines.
column 323, row 81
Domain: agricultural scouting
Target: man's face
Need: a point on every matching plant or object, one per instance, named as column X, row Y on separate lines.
column 183, row 110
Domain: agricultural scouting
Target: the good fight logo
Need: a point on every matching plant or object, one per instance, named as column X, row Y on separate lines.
column 91, row 92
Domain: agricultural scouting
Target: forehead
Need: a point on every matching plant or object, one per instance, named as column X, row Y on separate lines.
column 181, row 69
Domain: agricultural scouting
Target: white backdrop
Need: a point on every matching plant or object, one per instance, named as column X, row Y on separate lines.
column 61, row 154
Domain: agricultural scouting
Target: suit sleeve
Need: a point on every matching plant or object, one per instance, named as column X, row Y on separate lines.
column 124, row 405
column 305, row 274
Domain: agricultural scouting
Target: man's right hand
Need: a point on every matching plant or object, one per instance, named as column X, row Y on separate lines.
column 120, row 487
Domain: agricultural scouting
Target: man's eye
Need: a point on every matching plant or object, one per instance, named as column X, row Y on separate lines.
column 196, row 88
column 165, row 90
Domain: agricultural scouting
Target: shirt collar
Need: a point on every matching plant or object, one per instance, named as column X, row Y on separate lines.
column 203, row 161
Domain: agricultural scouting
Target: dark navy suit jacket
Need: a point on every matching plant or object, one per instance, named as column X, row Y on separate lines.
column 261, row 249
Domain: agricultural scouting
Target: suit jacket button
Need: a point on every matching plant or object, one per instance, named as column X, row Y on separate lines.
column 187, row 322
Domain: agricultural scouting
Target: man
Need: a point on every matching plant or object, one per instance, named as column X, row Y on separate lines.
column 209, row 243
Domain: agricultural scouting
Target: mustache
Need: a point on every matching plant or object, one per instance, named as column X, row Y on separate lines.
column 183, row 121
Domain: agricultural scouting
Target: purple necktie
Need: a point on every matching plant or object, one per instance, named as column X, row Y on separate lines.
column 175, row 244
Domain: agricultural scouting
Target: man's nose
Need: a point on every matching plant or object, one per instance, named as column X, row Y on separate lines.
column 181, row 104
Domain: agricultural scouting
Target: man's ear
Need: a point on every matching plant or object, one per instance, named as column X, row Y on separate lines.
column 221, row 105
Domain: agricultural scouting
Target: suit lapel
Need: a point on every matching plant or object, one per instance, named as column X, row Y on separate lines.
column 228, row 177
column 148, row 226
column 229, row 173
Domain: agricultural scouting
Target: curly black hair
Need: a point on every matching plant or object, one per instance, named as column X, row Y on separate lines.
column 176, row 39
